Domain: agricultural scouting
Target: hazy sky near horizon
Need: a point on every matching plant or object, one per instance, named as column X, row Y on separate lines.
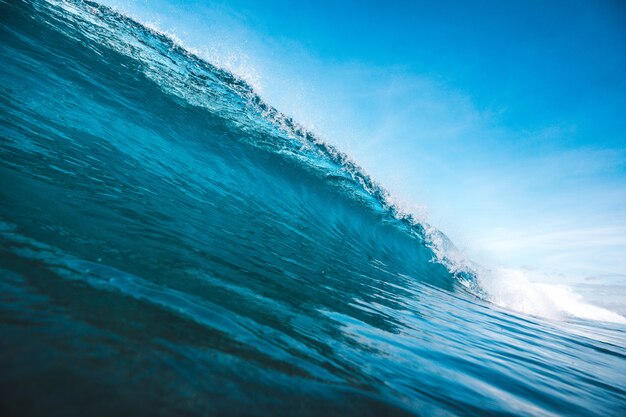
column 503, row 122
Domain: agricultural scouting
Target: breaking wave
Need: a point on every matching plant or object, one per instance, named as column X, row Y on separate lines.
column 167, row 232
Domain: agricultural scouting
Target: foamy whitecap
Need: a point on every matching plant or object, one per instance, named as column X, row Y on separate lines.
column 514, row 289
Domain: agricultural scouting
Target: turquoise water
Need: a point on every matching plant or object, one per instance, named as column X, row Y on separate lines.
column 172, row 245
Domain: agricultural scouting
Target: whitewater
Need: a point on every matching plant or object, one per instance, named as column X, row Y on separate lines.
column 171, row 244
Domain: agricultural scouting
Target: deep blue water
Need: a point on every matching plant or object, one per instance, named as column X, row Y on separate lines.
column 172, row 245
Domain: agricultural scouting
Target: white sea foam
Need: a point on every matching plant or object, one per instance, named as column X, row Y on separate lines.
column 517, row 290
column 520, row 290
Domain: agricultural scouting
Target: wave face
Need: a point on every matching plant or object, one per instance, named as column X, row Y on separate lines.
column 172, row 245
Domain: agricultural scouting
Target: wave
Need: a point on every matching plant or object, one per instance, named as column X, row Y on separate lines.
column 167, row 232
column 198, row 83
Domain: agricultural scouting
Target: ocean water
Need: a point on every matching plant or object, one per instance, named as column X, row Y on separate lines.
column 172, row 245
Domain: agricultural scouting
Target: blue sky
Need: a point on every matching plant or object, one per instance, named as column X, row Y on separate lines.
column 503, row 122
